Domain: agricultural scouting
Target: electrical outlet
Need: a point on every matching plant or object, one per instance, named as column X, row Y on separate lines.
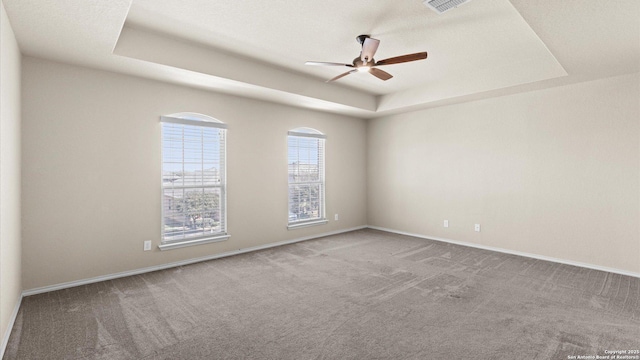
column 446, row 223
column 477, row 228
column 147, row 245
column 336, row 217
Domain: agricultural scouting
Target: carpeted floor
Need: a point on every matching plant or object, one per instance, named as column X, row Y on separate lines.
column 361, row 295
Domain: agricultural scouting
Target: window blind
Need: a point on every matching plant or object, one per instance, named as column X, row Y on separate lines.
column 193, row 180
column 306, row 177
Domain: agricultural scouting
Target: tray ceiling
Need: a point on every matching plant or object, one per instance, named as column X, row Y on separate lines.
column 258, row 49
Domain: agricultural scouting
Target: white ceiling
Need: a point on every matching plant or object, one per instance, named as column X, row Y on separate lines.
column 258, row 48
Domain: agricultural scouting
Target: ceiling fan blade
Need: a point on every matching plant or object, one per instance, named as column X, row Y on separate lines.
column 369, row 48
column 342, row 75
column 320, row 63
column 380, row 74
column 403, row 59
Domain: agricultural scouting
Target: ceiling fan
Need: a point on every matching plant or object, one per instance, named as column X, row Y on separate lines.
column 366, row 62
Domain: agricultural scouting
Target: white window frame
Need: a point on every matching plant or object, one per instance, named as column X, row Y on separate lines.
column 198, row 120
column 321, row 219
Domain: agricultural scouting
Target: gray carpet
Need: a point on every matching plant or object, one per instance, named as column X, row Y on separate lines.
column 360, row 295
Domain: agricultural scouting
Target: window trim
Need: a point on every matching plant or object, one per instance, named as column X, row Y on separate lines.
column 311, row 133
column 175, row 244
column 195, row 119
column 299, row 224
column 303, row 134
column 207, row 122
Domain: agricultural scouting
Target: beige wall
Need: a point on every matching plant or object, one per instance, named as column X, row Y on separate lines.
column 553, row 172
column 10, row 258
column 91, row 171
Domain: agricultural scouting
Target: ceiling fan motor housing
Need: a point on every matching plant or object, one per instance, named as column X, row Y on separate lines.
column 358, row 62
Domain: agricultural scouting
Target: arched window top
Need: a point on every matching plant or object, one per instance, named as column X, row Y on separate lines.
column 191, row 118
column 307, row 132
column 194, row 116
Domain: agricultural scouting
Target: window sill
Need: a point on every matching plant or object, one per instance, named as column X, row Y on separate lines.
column 306, row 224
column 181, row 244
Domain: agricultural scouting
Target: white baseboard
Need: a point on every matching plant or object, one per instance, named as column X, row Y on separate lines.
column 512, row 252
column 12, row 321
column 71, row 284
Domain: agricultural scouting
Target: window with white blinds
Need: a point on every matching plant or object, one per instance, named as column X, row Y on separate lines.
column 306, row 177
column 193, row 180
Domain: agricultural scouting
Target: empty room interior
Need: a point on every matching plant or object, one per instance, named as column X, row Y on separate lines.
column 380, row 179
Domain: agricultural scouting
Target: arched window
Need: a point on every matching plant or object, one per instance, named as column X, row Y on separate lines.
column 193, row 180
column 306, row 177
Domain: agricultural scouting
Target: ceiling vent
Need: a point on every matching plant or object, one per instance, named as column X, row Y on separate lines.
column 441, row 6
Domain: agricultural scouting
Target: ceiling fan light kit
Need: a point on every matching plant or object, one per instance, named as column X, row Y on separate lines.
column 442, row 6
column 366, row 63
